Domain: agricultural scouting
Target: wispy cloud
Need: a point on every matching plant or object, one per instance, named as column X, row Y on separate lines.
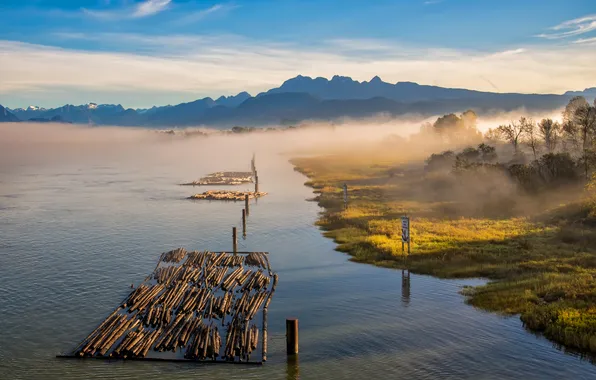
column 209, row 65
column 142, row 9
column 571, row 28
column 150, row 7
column 591, row 40
column 203, row 13
column 431, row 2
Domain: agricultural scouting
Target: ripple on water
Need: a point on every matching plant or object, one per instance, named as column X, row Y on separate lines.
column 72, row 244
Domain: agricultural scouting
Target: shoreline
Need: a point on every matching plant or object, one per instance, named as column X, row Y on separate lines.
column 555, row 319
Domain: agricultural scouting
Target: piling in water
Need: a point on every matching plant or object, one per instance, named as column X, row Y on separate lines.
column 292, row 336
column 244, row 222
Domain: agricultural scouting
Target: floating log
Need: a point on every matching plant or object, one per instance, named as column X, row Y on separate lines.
column 223, row 178
column 226, row 195
column 170, row 310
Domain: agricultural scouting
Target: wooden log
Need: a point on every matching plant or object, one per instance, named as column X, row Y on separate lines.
column 264, row 345
column 246, row 204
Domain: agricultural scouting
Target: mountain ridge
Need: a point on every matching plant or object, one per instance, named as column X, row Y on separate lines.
column 303, row 98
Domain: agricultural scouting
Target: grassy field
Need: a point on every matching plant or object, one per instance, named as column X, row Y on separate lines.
column 539, row 252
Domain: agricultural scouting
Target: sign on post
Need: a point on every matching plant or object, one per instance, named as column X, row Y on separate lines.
column 405, row 232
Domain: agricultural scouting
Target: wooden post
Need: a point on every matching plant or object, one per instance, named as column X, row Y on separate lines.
column 264, row 334
column 244, row 222
column 246, row 207
column 256, row 185
column 292, row 336
column 234, row 240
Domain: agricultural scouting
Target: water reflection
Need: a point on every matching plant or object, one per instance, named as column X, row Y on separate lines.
column 292, row 367
column 405, row 287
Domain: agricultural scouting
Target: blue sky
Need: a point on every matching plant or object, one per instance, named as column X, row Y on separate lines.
column 141, row 53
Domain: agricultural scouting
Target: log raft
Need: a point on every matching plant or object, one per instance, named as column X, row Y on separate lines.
column 227, row 195
column 180, row 305
column 223, row 178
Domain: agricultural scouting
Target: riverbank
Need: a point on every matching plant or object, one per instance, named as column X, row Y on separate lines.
column 539, row 252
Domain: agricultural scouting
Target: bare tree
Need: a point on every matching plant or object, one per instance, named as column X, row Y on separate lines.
column 512, row 133
column 579, row 124
column 549, row 131
column 531, row 137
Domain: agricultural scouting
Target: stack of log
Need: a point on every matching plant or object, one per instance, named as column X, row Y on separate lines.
column 136, row 344
column 197, row 259
column 172, row 310
column 175, row 255
column 223, row 178
column 258, row 259
column 100, row 341
column 206, row 343
column 227, row 195
column 241, row 340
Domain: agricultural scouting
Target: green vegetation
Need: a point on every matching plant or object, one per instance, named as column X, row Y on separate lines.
column 528, row 227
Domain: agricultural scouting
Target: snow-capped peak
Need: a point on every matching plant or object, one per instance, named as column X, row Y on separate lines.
column 91, row 106
column 34, row 108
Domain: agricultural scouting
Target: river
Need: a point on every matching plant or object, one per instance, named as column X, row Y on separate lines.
column 77, row 230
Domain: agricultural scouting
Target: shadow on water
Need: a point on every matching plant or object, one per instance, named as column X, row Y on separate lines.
column 405, row 287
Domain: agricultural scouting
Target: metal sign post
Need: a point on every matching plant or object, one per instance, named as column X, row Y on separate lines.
column 405, row 232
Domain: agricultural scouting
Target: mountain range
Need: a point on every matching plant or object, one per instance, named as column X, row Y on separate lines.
column 298, row 99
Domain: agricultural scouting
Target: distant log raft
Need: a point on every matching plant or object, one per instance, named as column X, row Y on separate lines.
column 182, row 306
column 223, row 178
column 227, row 195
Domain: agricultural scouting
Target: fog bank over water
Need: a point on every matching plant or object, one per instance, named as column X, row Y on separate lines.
column 31, row 142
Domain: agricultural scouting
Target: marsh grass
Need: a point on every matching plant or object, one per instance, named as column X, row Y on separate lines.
column 539, row 252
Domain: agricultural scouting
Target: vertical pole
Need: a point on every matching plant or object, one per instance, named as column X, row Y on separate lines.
column 264, row 334
column 246, row 204
column 234, row 240
column 244, row 222
column 292, row 336
column 256, row 185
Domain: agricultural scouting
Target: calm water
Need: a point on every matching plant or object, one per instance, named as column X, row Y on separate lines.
column 74, row 236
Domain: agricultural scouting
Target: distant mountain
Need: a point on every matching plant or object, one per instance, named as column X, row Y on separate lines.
column 304, row 98
column 587, row 93
column 55, row 119
column 82, row 114
column 232, row 101
column 340, row 87
column 7, row 116
column 182, row 114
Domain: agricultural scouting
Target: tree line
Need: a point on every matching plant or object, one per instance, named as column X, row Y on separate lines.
column 543, row 154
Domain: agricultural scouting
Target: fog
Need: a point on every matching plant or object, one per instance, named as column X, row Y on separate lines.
column 44, row 144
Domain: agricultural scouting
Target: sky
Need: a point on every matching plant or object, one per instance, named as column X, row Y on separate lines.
column 156, row 52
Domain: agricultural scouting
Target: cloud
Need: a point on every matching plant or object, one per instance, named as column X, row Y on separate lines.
column 585, row 40
column 213, row 65
column 203, row 13
column 570, row 28
column 431, row 2
column 150, row 7
column 142, row 9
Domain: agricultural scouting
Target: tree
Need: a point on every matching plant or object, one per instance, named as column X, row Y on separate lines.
column 440, row 161
column 512, row 133
column 531, row 135
column 493, row 135
column 579, row 125
column 488, row 153
column 457, row 129
column 549, row 131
